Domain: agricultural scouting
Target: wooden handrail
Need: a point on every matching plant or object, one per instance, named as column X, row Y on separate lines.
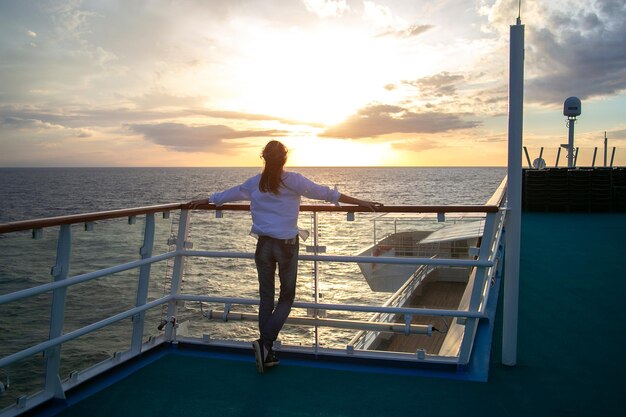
column 498, row 196
column 112, row 214
column 359, row 209
column 85, row 217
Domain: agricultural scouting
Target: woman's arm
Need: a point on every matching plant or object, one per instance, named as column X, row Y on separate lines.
column 304, row 186
column 363, row 203
column 237, row 193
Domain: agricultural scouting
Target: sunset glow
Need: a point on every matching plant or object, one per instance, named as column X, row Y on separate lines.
column 333, row 152
column 341, row 82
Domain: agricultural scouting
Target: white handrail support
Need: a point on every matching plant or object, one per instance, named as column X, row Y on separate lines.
column 177, row 272
column 60, row 271
column 144, row 280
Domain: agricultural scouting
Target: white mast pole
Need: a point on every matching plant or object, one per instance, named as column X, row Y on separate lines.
column 605, row 143
column 571, row 121
column 514, row 195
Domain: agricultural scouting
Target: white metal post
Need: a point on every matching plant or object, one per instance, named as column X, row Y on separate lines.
column 60, row 271
column 144, row 281
column 316, row 278
column 612, row 156
column 177, row 272
column 570, row 141
column 605, row 144
column 595, row 152
column 514, row 195
column 530, row 165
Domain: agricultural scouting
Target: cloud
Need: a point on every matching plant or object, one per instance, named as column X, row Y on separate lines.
column 379, row 119
column 19, row 123
column 179, row 106
column 576, row 63
column 80, row 118
column 384, row 17
column 438, row 85
column 33, row 127
column 154, row 99
column 113, row 117
column 228, row 114
column 417, row 145
column 485, row 100
column 573, row 48
column 616, row 134
column 327, row 8
column 70, row 20
column 209, row 138
column 494, row 138
column 411, row 31
column 476, row 93
column 381, row 16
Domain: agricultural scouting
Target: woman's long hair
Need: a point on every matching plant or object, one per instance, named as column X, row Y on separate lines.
column 275, row 156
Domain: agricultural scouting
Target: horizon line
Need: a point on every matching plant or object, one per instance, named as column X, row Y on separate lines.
column 251, row 166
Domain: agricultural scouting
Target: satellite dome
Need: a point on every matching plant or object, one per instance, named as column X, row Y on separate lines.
column 572, row 107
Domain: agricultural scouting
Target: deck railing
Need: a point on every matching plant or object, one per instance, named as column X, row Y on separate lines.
column 589, row 157
column 485, row 264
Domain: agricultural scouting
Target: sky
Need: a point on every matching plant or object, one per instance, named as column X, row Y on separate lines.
column 340, row 82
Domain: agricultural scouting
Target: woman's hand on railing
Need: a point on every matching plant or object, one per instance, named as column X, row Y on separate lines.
column 196, row 204
column 372, row 205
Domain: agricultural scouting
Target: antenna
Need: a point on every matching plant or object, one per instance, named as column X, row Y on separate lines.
column 519, row 12
column 571, row 109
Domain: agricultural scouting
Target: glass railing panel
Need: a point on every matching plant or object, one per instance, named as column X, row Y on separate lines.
column 24, row 323
column 24, row 263
column 27, row 263
column 95, row 347
column 219, row 277
column 454, row 236
column 89, row 302
column 153, row 319
column 114, row 242
column 427, row 332
column 342, row 283
column 232, row 278
column 22, row 378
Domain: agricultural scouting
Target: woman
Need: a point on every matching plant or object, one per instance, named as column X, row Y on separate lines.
column 274, row 197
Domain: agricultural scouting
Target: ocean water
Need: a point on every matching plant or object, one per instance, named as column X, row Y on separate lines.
column 29, row 193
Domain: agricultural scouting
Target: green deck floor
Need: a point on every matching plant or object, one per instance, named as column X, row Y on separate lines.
column 571, row 352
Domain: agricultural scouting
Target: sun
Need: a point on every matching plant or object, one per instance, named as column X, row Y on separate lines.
column 319, row 77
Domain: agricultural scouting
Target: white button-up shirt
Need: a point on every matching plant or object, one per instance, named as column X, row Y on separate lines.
column 276, row 215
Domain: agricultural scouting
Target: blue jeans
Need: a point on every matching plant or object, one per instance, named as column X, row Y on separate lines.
column 269, row 253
